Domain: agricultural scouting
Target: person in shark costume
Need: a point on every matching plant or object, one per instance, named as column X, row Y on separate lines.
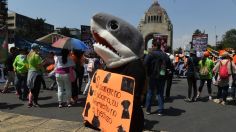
column 120, row 45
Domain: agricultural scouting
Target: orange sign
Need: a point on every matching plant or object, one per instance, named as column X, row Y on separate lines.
column 109, row 103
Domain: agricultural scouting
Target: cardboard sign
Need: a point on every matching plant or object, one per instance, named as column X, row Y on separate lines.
column 109, row 103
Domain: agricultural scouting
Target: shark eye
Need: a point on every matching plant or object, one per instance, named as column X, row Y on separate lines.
column 113, row 25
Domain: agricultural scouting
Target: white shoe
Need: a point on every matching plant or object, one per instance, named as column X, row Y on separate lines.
column 223, row 103
column 229, row 98
column 210, row 98
column 217, row 101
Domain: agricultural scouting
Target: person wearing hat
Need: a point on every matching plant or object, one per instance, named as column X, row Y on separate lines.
column 191, row 66
column 35, row 72
column 206, row 66
column 225, row 68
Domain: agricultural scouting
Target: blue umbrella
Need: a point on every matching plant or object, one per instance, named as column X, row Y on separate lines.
column 77, row 44
column 70, row 43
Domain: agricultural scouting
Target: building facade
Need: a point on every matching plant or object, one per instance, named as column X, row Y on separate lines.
column 156, row 26
column 3, row 13
column 16, row 22
column 73, row 31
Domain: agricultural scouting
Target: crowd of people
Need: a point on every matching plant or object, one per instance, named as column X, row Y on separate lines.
column 68, row 68
column 26, row 70
column 207, row 69
column 162, row 66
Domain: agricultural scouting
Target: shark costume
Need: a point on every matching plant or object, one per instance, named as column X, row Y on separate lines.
column 120, row 44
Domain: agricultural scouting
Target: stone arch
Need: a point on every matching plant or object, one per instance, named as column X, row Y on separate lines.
column 148, row 37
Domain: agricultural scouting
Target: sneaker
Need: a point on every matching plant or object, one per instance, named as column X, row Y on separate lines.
column 36, row 105
column 229, row 98
column 210, row 98
column 30, row 105
column 60, row 106
column 188, row 100
column 217, row 101
column 223, row 103
column 69, row 105
column 159, row 114
column 148, row 112
column 194, row 100
column 4, row 91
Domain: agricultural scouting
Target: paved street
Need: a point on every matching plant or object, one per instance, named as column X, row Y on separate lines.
column 180, row 116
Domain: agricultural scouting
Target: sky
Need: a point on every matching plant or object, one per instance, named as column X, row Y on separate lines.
column 215, row 17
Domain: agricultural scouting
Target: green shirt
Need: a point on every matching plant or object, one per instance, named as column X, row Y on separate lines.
column 210, row 65
column 20, row 64
column 34, row 61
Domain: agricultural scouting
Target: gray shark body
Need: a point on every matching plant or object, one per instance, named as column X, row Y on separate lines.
column 118, row 42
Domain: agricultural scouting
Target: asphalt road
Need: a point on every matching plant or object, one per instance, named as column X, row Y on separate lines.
column 180, row 116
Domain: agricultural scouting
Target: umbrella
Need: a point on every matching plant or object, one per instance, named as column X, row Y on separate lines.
column 50, row 38
column 70, row 43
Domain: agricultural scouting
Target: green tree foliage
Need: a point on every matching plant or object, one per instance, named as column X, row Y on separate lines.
column 65, row 31
column 229, row 39
column 197, row 31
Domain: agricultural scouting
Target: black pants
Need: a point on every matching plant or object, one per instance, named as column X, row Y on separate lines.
column 192, row 83
column 168, row 85
column 74, row 89
column 44, row 84
column 222, row 92
column 35, row 91
column 81, row 77
column 202, row 82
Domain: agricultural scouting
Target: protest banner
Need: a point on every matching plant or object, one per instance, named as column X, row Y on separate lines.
column 162, row 39
column 109, row 103
column 199, row 42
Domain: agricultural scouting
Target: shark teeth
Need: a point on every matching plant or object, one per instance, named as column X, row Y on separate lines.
column 106, row 48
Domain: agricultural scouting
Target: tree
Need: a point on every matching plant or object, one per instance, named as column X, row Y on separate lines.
column 65, row 31
column 229, row 39
column 197, row 31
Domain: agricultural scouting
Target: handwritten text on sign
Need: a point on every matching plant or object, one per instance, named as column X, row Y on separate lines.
column 109, row 103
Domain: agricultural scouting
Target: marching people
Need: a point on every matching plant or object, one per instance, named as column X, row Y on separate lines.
column 92, row 66
column 233, row 87
column 192, row 70
column 21, row 70
column 49, row 64
column 170, row 73
column 35, row 74
column 157, row 63
column 206, row 66
column 74, row 55
column 225, row 68
column 64, row 67
column 9, row 68
column 81, row 71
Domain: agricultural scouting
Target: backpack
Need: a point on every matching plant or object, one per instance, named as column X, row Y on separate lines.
column 204, row 70
column 158, row 66
column 223, row 71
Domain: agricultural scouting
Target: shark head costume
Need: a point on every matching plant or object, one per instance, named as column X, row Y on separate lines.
column 120, row 45
column 118, row 42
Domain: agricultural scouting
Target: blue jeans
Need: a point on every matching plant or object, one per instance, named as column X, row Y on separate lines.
column 157, row 85
column 21, row 82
